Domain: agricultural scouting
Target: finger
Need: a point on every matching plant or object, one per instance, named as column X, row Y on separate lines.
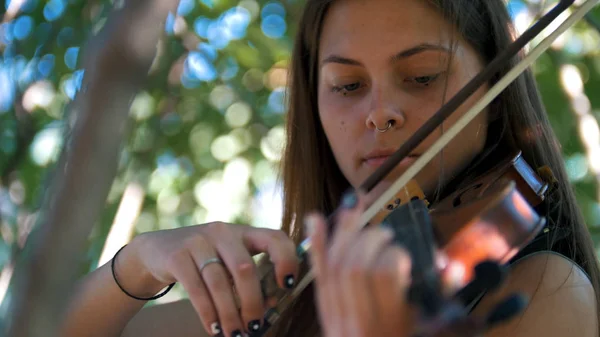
column 355, row 279
column 316, row 228
column 346, row 227
column 247, row 284
column 217, row 281
column 390, row 281
column 281, row 250
column 392, row 269
column 323, row 255
column 352, row 205
column 186, row 272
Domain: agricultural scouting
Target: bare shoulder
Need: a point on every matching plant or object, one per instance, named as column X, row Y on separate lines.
column 170, row 319
column 562, row 299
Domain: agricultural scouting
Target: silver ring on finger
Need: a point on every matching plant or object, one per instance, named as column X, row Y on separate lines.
column 209, row 261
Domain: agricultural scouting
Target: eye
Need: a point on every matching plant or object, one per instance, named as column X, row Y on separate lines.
column 345, row 89
column 423, row 80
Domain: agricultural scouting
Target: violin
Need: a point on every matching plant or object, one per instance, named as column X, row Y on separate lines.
column 460, row 245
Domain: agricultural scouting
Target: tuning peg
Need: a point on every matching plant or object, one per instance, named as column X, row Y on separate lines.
column 507, row 309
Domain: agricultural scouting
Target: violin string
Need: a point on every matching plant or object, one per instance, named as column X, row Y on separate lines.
column 457, row 127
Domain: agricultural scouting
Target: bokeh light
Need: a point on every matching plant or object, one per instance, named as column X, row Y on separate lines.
column 225, row 147
column 238, row 114
column 22, row 27
column 54, row 9
column 142, row 106
column 38, row 95
column 221, row 97
column 199, row 67
column 46, row 145
column 272, row 145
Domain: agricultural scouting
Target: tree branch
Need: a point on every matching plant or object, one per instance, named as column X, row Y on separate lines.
column 116, row 65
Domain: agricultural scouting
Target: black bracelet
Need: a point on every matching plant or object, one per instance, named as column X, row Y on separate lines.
column 112, row 267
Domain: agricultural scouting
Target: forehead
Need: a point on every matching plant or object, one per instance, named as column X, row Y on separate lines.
column 382, row 27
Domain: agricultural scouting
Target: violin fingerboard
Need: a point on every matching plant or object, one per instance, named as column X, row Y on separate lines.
column 413, row 231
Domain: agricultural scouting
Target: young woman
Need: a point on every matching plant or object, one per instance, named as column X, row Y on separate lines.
column 365, row 75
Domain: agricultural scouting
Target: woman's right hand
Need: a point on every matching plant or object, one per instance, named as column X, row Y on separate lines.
column 177, row 256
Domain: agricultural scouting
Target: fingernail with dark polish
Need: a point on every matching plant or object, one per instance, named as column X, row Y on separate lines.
column 215, row 329
column 236, row 333
column 350, row 200
column 288, row 281
column 254, row 326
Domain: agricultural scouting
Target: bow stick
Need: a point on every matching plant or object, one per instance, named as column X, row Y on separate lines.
column 273, row 314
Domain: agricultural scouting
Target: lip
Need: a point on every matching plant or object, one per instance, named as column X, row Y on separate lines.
column 378, row 157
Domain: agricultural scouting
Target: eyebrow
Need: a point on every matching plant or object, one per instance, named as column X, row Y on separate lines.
column 399, row 56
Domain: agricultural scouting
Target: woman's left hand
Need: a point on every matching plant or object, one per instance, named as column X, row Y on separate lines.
column 361, row 278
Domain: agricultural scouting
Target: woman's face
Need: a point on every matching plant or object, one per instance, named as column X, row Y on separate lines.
column 390, row 60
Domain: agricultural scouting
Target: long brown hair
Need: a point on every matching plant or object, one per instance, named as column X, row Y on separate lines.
column 312, row 179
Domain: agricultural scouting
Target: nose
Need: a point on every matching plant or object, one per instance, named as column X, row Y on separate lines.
column 385, row 112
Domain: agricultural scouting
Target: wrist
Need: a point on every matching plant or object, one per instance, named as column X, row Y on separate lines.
column 131, row 274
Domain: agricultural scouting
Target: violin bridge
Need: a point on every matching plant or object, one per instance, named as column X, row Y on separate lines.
column 412, row 191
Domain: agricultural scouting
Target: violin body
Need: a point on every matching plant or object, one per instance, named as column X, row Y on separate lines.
column 475, row 230
column 491, row 219
column 494, row 226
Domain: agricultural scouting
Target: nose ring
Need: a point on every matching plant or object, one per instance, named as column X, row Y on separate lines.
column 388, row 126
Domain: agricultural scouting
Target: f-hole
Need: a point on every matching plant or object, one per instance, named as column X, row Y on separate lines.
column 458, row 199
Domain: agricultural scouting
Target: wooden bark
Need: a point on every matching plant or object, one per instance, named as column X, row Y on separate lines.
column 116, row 64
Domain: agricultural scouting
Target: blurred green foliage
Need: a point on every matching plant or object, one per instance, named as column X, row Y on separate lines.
column 205, row 134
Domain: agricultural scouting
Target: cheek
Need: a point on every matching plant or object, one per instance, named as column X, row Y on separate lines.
column 470, row 141
column 333, row 123
column 461, row 150
column 340, row 121
column 336, row 126
column 343, row 130
column 474, row 135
